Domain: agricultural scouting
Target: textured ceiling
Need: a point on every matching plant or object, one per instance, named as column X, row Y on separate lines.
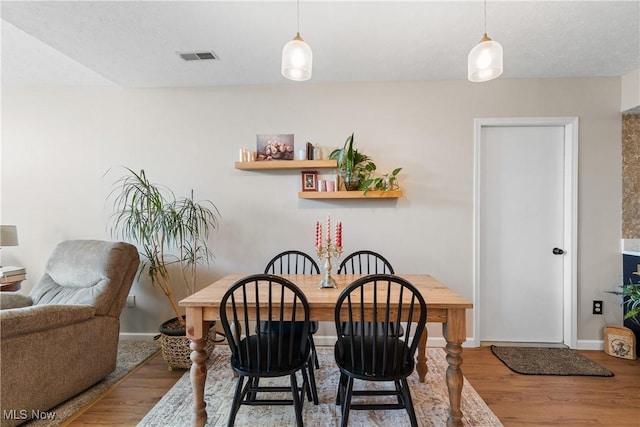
column 135, row 43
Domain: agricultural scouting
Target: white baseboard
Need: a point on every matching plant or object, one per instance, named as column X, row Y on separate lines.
column 589, row 345
column 137, row 336
column 327, row 340
column 322, row 340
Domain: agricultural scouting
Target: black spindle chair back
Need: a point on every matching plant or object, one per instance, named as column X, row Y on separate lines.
column 292, row 262
column 365, row 262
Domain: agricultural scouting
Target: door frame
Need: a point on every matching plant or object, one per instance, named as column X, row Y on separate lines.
column 570, row 221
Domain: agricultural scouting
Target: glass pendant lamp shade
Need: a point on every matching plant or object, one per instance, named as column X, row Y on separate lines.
column 297, row 60
column 485, row 60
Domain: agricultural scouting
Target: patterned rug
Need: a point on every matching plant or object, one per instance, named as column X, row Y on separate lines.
column 431, row 400
column 130, row 355
column 548, row 361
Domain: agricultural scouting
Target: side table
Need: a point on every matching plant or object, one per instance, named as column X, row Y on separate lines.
column 11, row 286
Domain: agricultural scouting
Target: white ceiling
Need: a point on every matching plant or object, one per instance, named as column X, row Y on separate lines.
column 134, row 43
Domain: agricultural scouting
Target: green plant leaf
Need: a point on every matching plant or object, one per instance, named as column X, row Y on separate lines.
column 631, row 300
column 167, row 231
column 349, row 155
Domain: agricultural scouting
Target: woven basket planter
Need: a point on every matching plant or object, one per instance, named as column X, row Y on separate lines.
column 175, row 344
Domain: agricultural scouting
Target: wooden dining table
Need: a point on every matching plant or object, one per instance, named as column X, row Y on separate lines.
column 443, row 306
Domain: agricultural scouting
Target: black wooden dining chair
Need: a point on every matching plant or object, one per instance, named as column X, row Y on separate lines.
column 292, row 262
column 295, row 262
column 382, row 355
column 255, row 355
column 366, row 262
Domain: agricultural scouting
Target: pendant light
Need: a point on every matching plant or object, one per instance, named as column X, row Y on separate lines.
column 485, row 59
column 297, row 58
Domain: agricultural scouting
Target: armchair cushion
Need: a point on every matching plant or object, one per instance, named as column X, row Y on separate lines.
column 14, row 300
column 84, row 272
column 36, row 318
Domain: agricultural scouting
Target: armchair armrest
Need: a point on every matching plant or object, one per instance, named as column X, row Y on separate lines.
column 20, row 321
column 14, row 300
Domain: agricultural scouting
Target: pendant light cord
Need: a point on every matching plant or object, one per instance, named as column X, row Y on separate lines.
column 299, row 15
column 485, row 16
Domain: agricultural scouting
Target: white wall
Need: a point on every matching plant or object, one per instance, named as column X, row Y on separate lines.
column 630, row 87
column 57, row 145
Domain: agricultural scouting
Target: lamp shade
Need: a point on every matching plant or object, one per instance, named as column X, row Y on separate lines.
column 297, row 60
column 8, row 235
column 485, row 60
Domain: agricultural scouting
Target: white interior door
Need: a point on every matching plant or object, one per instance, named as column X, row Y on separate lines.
column 521, row 221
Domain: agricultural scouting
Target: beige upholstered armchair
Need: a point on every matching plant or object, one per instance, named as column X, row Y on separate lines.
column 63, row 337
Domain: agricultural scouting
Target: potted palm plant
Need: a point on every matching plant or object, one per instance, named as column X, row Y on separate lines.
column 171, row 235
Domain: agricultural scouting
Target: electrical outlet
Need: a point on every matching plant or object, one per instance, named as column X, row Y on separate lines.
column 597, row 307
column 131, row 301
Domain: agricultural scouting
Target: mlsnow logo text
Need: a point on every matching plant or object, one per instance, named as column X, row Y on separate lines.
column 23, row 414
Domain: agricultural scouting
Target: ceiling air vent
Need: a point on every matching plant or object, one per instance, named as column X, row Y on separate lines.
column 199, row 56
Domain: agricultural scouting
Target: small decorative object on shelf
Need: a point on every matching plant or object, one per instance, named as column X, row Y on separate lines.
column 317, row 152
column 309, row 151
column 327, row 251
column 247, row 155
column 309, row 181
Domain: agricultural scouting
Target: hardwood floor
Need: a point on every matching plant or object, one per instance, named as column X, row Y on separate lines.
column 534, row 400
column 518, row 400
column 128, row 402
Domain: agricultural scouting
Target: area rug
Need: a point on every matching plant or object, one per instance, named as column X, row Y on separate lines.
column 548, row 361
column 130, row 355
column 431, row 400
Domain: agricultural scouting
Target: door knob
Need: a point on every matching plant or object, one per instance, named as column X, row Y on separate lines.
column 557, row 251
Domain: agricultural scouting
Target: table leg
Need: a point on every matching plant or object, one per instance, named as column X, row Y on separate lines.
column 198, row 373
column 421, row 366
column 454, row 332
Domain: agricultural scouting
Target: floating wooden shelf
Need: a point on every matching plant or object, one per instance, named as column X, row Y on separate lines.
column 287, row 164
column 316, row 164
column 392, row 194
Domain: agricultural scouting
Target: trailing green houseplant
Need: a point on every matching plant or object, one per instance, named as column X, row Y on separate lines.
column 169, row 232
column 354, row 166
column 385, row 182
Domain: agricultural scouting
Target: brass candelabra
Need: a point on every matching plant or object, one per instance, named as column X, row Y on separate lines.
column 327, row 252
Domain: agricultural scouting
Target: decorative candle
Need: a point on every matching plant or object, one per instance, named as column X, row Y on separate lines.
column 318, row 234
column 328, row 228
column 339, row 234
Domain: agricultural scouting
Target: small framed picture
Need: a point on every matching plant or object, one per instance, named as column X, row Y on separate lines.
column 309, row 181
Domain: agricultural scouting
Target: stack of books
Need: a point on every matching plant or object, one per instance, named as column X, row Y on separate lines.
column 10, row 274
